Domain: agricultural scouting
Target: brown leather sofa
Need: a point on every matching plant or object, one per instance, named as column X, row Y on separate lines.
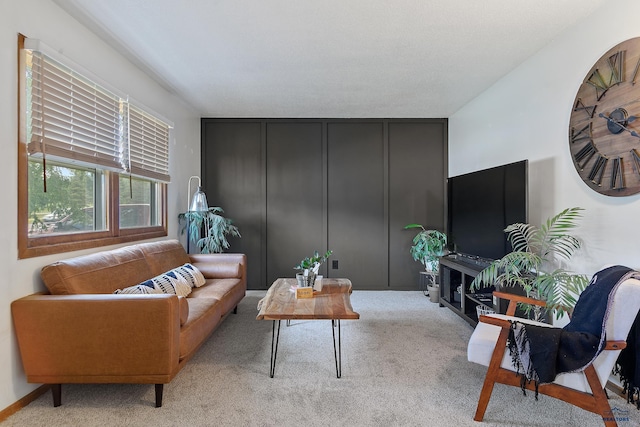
column 81, row 332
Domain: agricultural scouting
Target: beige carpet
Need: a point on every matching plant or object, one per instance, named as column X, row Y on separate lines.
column 404, row 364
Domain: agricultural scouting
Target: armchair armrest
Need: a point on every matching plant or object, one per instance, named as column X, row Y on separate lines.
column 98, row 337
column 615, row 345
column 504, row 323
column 515, row 299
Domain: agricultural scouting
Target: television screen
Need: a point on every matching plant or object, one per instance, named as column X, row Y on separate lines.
column 481, row 205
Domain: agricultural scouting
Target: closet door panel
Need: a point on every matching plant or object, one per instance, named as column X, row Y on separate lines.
column 417, row 167
column 232, row 179
column 356, row 203
column 295, row 224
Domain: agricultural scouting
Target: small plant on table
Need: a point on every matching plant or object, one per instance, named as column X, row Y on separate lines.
column 310, row 266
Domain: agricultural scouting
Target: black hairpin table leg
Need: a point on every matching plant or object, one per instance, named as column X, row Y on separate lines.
column 337, row 353
column 274, row 347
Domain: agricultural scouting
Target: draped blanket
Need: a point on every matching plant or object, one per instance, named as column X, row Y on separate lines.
column 628, row 364
column 540, row 353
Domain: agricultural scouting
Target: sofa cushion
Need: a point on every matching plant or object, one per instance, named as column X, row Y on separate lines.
column 183, row 304
column 98, row 273
column 226, row 291
column 483, row 341
column 184, row 310
column 204, row 316
column 163, row 255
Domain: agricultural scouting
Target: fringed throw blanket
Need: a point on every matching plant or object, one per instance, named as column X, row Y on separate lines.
column 540, row 353
column 628, row 364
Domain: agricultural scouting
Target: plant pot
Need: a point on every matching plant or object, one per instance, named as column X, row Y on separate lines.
column 305, row 281
column 434, row 293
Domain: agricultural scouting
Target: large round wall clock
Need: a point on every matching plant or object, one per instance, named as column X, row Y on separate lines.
column 604, row 129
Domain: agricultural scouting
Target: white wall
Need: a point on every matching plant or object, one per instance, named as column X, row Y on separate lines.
column 43, row 20
column 525, row 115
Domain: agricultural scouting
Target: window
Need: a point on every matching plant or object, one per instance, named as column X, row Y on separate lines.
column 138, row 202
column 93, row 166
column 70, row 204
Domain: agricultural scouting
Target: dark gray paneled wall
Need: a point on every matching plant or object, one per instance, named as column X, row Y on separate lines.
column 298, row 185
column 356, row 203
column 417, row 188
column 295, row 219
column 232, row 178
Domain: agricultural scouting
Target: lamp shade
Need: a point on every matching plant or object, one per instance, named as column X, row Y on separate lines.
column 199, row 201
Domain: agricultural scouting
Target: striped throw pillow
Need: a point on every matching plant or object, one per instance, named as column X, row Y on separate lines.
column 178, row 281
column 191, row 274
column 141, row 288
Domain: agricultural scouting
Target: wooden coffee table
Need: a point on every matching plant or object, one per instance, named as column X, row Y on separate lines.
column 332, row 303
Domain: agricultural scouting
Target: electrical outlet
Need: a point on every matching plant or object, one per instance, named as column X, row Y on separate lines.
column 334, row 264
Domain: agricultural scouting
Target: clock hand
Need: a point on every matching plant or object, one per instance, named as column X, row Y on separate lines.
column 628, row 119
column 619, row 124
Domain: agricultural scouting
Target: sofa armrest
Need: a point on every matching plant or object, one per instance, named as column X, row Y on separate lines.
column 221, row 266
column 98, row 337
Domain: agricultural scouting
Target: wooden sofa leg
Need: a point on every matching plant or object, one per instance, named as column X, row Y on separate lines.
column 56, row 391
column 235, row 310
column 159, row 388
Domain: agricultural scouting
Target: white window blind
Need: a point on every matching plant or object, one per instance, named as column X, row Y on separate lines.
column 71, row 117
column 148, row 145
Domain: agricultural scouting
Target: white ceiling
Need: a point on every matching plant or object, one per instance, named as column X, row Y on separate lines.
column 328, row 58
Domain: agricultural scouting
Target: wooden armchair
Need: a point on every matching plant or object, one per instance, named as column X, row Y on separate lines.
column 585, row 389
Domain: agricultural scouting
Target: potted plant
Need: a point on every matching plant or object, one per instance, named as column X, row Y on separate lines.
column 535, row 262
column 308, row 268
column 428, row 247
column 215, row 226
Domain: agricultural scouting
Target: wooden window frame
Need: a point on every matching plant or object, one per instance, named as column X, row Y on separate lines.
column 29, row 247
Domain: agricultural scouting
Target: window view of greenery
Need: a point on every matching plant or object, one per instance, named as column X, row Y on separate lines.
column 75, row 200
column 138, row 202
column 68, row 205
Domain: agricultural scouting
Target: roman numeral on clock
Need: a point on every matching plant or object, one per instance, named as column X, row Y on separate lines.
column 596, row 80
column 616, row 63
column 585, row 154
column 617, row 174
column 598, row 169
column 589, row 109
column 582, row 134
column 635, row 72
column 635, row 157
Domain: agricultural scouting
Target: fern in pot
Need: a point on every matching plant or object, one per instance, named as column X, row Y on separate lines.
column 428, row 246
column 534, row 264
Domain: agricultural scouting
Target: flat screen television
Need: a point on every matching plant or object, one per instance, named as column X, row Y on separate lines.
column 481, row 205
